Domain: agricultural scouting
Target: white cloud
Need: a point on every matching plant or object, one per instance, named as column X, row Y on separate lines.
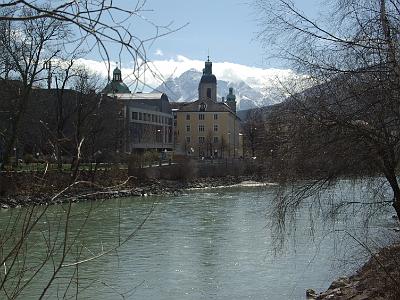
column 159, row 52
column 156, row 71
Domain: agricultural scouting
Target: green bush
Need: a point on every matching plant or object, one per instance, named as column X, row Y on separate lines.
column 150, row 157
column 29, row 158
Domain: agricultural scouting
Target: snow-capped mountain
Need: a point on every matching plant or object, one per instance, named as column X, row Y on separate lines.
column 184, row 89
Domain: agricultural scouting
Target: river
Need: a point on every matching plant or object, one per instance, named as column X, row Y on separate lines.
column 207, row 244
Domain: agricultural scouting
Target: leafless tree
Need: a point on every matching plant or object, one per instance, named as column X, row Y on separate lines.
column 347, row 123
column 209, row 144
column 62, row 248
column 222, row 147
column 56, row 30
column 69, row 28
column 97, row 23
column 26, row 47
column 253, row 127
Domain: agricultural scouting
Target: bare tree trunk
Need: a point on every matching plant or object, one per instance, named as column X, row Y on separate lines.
column 10, row 142
column 394, row 184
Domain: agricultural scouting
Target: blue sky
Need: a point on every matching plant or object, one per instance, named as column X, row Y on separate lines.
column 225, row 28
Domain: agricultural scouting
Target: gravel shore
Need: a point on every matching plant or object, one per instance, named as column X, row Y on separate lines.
column 378, row 279
column 132, row 188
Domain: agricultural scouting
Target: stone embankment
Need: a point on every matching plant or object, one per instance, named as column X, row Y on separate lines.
column 378, row 279
column 132, row 188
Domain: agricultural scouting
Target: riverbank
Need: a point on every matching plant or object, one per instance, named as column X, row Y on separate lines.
column 31, row 191
column 378, row 279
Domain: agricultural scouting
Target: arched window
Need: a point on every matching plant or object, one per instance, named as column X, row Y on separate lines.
column 208, row 92
column 202, row 106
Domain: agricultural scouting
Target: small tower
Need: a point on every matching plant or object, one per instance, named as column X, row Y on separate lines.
column 231, row 100
column 208, row 83
column 117, row 75
column 116, row 85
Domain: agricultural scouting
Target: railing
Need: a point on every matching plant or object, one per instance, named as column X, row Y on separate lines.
column 151, row 145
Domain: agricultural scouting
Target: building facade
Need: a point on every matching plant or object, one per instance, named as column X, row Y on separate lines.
column 148, row 119
column 207, row 127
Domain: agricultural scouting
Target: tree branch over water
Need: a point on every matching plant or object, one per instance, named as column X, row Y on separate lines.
column 36, row 38
column 346, row 123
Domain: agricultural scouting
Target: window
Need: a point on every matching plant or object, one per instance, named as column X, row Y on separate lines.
column 134, row 115
column 216, row 140
column 140, row 116
column 187, row 128
column 215, row 116
column 187, row 117
column 188, row 139
column 202, row 107
column 201, row 139
column 215, row 127
column 152, row 118
column 209, row 93
column 201, row 128
column 201, row 116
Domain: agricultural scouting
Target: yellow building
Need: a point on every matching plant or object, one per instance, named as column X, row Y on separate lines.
column 206, row 127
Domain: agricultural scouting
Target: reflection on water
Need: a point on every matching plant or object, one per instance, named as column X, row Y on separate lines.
column 213, row 244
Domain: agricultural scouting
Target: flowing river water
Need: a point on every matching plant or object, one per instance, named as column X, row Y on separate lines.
column 207, row 244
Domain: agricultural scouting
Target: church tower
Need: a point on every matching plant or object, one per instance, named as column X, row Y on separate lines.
column 208, row 83
column 231, row 100
column 116, row 85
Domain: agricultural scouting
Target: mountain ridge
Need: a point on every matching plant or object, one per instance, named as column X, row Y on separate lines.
column 184, row 88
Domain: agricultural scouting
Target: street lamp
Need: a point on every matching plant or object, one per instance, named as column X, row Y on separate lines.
column 158, row 134
column 241, row 141
column 16, row 157
column 161, row 134
column 229, row 144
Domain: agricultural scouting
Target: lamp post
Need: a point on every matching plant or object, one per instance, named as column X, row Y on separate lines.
column 16, row 156
column 37, row 161
column 241, row 141
column 229, row 144
column 158, row 135
column 253, row 141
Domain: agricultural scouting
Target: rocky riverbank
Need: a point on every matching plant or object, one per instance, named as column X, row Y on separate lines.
column 132, row 188
column 378, row 279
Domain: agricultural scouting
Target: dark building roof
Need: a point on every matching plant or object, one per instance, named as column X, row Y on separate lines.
column 144, row 96
column 116, row 88
column 209, row 106
column 151, row 101
column 177, row 105
column 208, row 79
